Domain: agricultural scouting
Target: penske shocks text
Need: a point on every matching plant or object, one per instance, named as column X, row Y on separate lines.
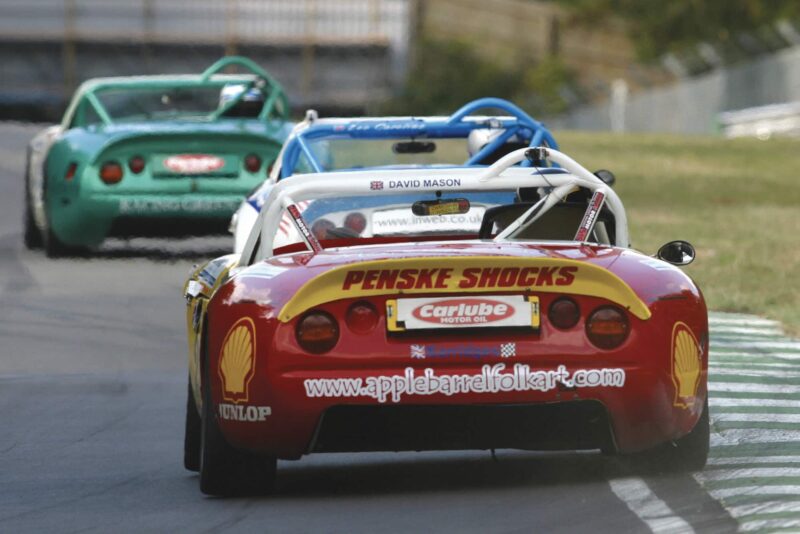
column 445, row 278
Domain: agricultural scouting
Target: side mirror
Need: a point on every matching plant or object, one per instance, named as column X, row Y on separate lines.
column 607, row 176
column 677, row 253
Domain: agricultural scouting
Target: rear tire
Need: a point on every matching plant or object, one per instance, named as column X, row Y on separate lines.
column 32, row 237
column 191, row 436
column 225, row 470
column 54, row 248
column 685, row 454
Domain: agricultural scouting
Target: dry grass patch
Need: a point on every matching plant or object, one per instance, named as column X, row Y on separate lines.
column 738, row 202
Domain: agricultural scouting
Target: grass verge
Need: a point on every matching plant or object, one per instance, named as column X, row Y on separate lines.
column 736, row 201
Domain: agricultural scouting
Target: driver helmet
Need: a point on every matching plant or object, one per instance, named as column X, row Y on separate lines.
column 248, row 105
column 481, row 137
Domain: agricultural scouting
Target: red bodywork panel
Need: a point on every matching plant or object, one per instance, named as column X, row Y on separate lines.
column 268, row 397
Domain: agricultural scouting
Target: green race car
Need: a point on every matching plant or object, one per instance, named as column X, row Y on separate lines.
column 152, row 156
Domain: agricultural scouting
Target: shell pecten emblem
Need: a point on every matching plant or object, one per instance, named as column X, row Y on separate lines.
column 686, row 365
column 237, row 360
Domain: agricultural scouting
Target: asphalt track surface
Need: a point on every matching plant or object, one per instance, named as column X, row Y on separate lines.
column 92, row 396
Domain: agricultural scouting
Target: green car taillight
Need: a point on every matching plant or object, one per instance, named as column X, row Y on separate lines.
column 111, row 172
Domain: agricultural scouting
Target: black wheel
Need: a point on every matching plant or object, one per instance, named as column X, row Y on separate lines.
column 225, row 470
column 191, row 436
column 686, row 454
column 32, row 237
column 54, row 248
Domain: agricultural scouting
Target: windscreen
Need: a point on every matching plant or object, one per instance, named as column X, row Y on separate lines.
column 524, row 215
column 339, row 154
column 180, row 101
column 403, row 216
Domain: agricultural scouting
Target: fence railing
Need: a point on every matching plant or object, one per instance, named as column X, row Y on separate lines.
column 318, row 22
column 48, row 46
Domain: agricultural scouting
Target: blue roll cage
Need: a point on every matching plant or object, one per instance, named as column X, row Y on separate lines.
column 455, row 126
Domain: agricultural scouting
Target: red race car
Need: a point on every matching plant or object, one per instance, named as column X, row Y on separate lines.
column 444, row 308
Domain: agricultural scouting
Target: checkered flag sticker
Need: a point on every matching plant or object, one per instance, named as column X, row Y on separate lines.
column 508, row 350
column 418, row 352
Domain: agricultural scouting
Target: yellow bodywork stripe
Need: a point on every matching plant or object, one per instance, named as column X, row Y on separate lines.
column 586, row 279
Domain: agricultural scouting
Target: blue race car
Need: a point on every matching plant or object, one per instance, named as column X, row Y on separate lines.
column 463, row 139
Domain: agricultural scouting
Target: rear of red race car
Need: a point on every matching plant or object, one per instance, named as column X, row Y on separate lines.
column 534, row 348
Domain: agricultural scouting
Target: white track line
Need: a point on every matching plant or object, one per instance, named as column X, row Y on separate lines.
column 755, row 460
column 722, row 354
column 750, row 417
column 729, row 474
column 757, row 355
column 766, row 506
column 741, row 330
column 766, row 402
column 776, row 373
column 744, row 321
column 765, row 525
column 753, row 436
column 764, row 389
column 641, row 500
column 723, row 493
column 758, row 348
column 756, row 344
column 754, row 356
column 745, row 366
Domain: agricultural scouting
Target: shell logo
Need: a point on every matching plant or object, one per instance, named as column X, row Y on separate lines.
column 686, row 365
column 237, row 360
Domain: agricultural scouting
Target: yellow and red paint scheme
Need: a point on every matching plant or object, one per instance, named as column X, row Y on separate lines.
column 275, row 294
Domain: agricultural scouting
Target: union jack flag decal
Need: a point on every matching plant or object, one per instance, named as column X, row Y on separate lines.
column 418, row 352
column 375, row 185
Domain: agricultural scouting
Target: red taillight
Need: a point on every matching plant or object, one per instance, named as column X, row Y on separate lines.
column 252, row 163
column 70, row 174
column 317, row 332
column 607, row 327
column 355, row 222
column 564, row 313
column 136, row 164
column 111, row 172
column 361, row 318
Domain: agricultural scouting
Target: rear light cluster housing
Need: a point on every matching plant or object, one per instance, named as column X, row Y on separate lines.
column 564, row 313
column 607, row 327
column 112, row 172
column 317, row 332
column 136, row 164
column 71, row 170
column 252, row 163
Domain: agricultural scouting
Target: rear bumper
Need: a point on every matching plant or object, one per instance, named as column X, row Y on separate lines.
column 88, row 220
column 634, row 416
column 566, row 425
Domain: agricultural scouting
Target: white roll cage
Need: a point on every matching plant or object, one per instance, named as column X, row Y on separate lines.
column 502, row 175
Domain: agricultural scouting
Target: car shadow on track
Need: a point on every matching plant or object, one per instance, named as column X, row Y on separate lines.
column 447, row 472
column 153, row 249
column 154, row 254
